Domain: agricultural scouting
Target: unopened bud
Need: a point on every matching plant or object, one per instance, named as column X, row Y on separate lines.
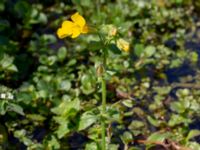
column 100, row 70
column 123, row 45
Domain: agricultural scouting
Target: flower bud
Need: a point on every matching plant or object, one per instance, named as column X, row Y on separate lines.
column 123, row 45
column 100, row 70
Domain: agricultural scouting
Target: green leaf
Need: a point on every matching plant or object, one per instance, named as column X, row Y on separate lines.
column 3, row 107
column 67, row 108
column 136, row 124
column 114, row 49
column 62, row 130
column 91, row 146
column 177, row 107
column 193, row 145
column 24, row 97
column 22, row 8
column 12, row 68
column 192, row 134
column 113, row 146
column 62, row 53
column 158, row 137
column 128, row 103
column 16, row 108
column 53, row 143
column 86, row 3
column 126, row 137
column 87, row 84
column 35, row 117
column 7, row 63
column 153, row 121
column 95, row 45
column 71, row 62
column 194, row 57
column 178, row 119
column 138, row 50
column 65, row 85
column 149, row 51
column 51, row 60
column 87, row 119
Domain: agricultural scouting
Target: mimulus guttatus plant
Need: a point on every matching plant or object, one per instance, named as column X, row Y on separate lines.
column 78, row 26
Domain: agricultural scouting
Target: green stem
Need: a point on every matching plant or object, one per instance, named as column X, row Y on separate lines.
column 103, row 94
column 103, row 132
column 103, row 88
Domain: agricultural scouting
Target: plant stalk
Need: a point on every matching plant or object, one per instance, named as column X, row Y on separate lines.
column 103, row 130
column 103, row 90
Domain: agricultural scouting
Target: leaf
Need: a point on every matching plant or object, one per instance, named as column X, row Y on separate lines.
column 192, row 134
column 136, row 124
column 67, row 108
column 126, row 137
column 62, row 130
column 95, row 45
column 62, row 53
column 51, row 60
column 178, row 119
column 138, row 50
column 35, row 117
column 16, row 108
column 22, row 8
column 86, row 3
column 91, row 146
column 71, row 62
column 53, row 143
column 177, row 107
column 3, row 107
column 149, row 51
column 128, row 103
column 153, row 121
column 65, row 85
column 158, row 137
column 113, row 146
column 12, row 68
column 24, row 97
column 87, row 84
column 194, row 57
column 114, row 49
column 87, row 119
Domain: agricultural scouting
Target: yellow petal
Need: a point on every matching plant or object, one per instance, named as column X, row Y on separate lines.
column 65, row 30
column 85, row 29
column 61, row 33
column 78, row 19
column 67, row 26
column 76, row 31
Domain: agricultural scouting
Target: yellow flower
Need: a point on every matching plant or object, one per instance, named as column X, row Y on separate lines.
column 123, row 45
column 73, row 28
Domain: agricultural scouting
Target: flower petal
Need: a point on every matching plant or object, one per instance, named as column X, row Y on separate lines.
column 61, row 33
column 76, row 31
column 78, row 19
column 67, row 26
column 85, row 29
